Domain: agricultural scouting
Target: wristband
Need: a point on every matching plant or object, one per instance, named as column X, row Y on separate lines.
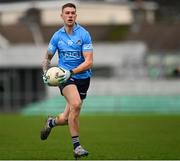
column 71, row 71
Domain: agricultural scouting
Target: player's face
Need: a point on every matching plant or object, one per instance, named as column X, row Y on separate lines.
column 69, row 16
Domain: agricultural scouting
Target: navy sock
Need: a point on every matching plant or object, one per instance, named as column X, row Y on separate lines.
column 75, row 140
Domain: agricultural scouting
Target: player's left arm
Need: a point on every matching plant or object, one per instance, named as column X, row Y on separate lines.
column 87, row 50
column 87, row 64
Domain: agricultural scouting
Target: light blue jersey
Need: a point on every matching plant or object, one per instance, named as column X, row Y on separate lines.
column 70, row 49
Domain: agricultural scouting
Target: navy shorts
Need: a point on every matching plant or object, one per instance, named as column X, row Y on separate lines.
column 81, row 84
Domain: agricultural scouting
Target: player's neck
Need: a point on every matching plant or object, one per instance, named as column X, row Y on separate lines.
column 69, row 29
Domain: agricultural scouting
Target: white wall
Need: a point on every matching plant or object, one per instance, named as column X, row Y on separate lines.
column 88, row 12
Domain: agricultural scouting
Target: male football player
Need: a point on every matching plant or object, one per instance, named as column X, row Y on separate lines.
column 75, row 52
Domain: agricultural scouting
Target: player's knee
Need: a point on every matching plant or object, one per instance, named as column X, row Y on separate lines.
column 74, row 112
column 76, row 106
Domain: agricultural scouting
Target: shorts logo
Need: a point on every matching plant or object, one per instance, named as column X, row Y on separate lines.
column 72, row 79
column 83, row 93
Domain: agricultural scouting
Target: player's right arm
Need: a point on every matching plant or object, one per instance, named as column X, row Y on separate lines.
column 52, row 47
column 45, row 66
column 47, row 61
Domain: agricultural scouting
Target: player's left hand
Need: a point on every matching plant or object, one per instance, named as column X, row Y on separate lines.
column 65, row 77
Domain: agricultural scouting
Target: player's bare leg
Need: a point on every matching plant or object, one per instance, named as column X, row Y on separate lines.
column 74, row 102
column 61, row 119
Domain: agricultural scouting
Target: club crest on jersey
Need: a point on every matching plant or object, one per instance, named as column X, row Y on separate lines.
column 78, row 42
column 69, row 42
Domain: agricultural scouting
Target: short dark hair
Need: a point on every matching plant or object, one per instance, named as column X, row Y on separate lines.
column 69, row 5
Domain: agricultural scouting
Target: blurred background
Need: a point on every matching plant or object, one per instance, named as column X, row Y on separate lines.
column 136, row 55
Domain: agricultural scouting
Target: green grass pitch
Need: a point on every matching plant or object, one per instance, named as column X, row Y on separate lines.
column 117, row 137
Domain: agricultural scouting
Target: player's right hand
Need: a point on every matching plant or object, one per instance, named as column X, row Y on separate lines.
column 45, row 78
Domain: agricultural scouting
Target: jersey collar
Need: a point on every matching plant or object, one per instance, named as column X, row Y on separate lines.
column 75, row 27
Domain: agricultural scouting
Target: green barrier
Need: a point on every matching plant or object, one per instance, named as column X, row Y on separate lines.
column 113, row 104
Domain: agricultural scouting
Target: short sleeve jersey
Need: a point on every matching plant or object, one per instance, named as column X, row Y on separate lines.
column 70, row 49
